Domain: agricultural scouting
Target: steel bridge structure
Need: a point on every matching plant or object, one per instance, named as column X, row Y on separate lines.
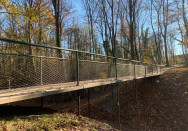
column 30, row 70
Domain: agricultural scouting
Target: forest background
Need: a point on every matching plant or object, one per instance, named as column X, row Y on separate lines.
column 154, row 31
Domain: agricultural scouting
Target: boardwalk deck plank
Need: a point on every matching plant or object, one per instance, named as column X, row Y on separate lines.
column 19, row 94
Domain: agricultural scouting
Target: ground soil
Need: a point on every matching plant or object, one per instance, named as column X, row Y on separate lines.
column 161, row 104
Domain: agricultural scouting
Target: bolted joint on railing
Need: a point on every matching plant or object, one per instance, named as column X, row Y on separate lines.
column 77, row 68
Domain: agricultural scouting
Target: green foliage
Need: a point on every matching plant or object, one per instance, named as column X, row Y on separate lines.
column 145, row 37
column 93, row 129
column 51, row 122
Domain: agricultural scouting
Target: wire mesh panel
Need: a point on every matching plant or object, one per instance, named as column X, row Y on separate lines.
column 139, row 70
column 146, row 70
column 57, row 70
column 150, row 69
column 162, row 68
column 19, row 71
column 5, row 66
column 25, row 71
column 96, row 69
column 124, row 70
column 107, row 70
column 155, row 71
column 25, row 64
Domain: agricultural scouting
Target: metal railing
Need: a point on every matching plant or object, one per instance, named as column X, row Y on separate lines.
column 25, row 64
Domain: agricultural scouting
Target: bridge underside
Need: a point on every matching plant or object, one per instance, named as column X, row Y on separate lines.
column 19, row 94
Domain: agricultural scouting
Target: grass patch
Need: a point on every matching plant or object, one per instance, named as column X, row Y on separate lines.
column 48, row 122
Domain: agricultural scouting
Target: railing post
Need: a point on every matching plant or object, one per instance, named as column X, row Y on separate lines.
column 147, row 97
column 145, row 70
column 157, row 69
column 115, row 61
column 136, row 93
column 77, row 74
column 95, row 57
column 134, row 70
column 41, row 81
column 77, row 68
column 9, row 80
column 9, row 85
column 41, row 72
column 152, row 69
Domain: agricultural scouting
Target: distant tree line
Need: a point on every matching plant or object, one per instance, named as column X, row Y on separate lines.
column 148, row 31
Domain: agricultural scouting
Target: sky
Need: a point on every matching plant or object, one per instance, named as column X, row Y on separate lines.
column 80, row 12
column 80, row 16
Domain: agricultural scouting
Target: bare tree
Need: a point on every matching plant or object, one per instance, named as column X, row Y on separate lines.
column 90, row 7
column 184, row 17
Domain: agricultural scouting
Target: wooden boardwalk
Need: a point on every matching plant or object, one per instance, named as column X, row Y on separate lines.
column 19, row 94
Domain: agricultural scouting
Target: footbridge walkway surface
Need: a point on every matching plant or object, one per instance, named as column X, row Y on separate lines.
column 30, row 70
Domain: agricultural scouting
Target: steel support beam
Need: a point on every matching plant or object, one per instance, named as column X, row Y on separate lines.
column 118, row 103
column 78, row 102
column 89, row 105
column 113, row 113
column 136, row 94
